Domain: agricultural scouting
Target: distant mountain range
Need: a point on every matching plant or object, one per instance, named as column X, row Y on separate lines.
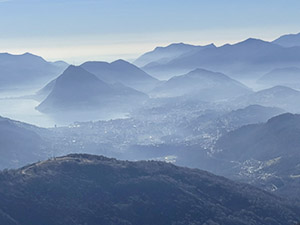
column 123, row 72
column 289, row 40
column 162, row 55
column 245, row 60
column 78, row 90
column 27, row 70
column 283, row 76
column 278, row 96
column 202, row 84
column 86, row 189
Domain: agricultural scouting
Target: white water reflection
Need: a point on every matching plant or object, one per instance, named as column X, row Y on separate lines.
column 24, row 110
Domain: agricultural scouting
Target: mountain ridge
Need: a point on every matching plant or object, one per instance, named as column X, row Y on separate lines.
column 123, row 72
column 114, row 191
column 205, row 84
column 240, row 60
column 26, row 70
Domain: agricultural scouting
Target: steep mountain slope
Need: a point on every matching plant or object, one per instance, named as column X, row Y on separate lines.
column 123, row 72
column 162, row 55
column 278, row 137
column 19, row 144
column 76, row 89
column 26, row 70
column 45, row 91
column 289, row 77
column 278, row 96
column 244, row 60
column 266, row 154
column 289, row 40
column 85, row 189
column 203, row 84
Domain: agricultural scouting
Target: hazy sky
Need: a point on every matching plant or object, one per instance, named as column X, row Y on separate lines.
column 79, row 30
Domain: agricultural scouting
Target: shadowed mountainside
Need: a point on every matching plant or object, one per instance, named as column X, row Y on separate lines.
column 86, row 189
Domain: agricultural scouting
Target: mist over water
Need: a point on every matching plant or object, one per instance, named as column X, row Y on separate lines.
column 13, row 105
column 24, row 110
column 16, row 106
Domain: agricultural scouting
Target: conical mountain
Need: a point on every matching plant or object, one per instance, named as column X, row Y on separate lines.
column 77, row 89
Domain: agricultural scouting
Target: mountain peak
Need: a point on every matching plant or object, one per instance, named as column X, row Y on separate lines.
column 28, row 54
column 172, row 45
column 253, row 41
column 200, row 72
column 77, row 73
column 121, row 62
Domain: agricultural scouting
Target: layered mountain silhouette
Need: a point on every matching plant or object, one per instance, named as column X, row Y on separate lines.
column 202, row 84
column 123, row 72
column 86, row 189
column 76, row 89
column 268, row 154
column 27, row 70
column 249, row 115
column 245, row 60
column 278, row 96
column 161, row 55
column 289, row 40
column 224, row 122
column 284, row 76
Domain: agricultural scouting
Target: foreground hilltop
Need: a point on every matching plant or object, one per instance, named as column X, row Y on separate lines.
column 87, row 189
